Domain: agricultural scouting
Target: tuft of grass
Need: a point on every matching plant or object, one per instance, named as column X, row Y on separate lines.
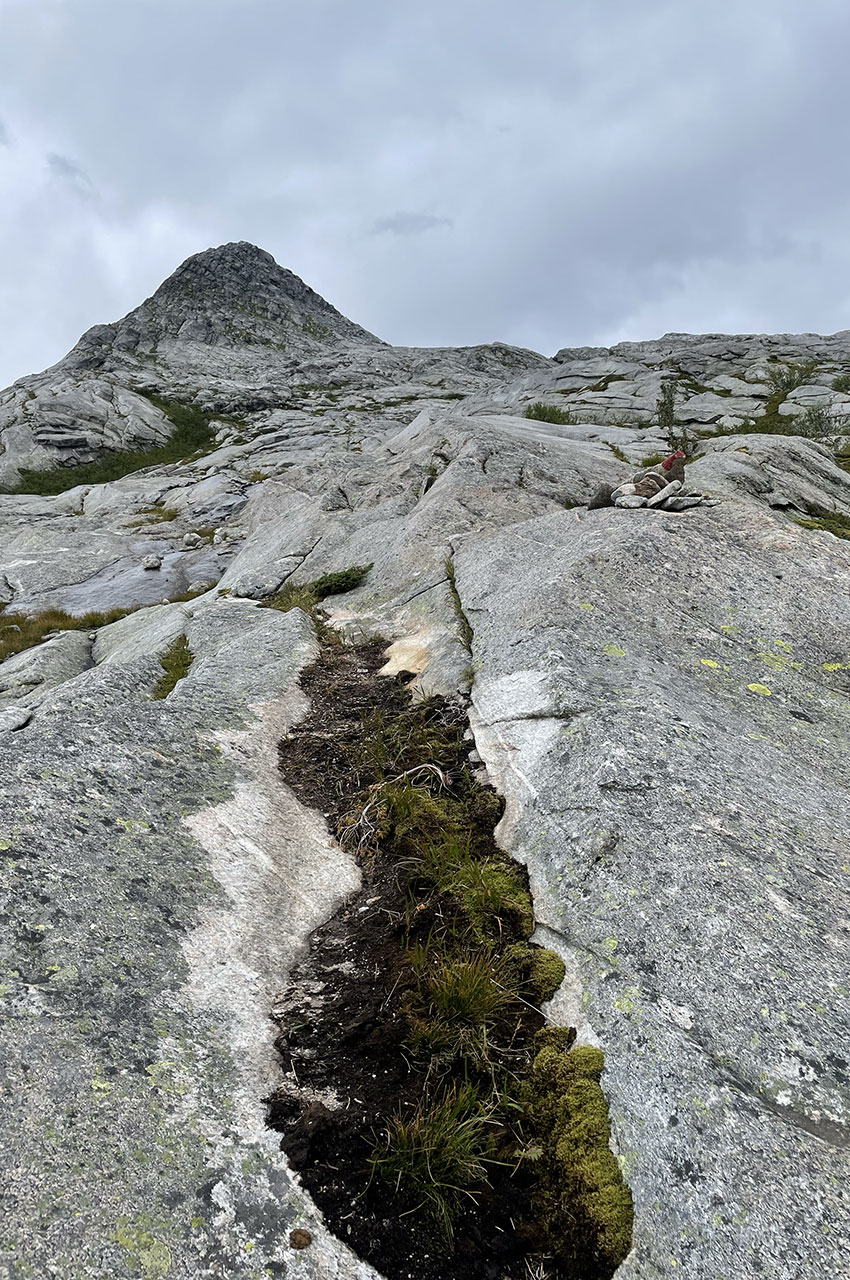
column 438, row 1155
column 175, row 663
column 834, row 522
column 192, row 434
column 466, row 989
column 464, row 625
column 618, row 452
column 20, row 631
column 583, row 1206
column 543, row 412
column 308, row 595
column 158, row 515
column 653, row 460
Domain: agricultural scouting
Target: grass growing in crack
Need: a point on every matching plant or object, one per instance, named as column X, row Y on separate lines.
column 434, row 1156
column 464, row 625
column 543, row 412
column 309, row 595
column 456, row 980
column 176, row 663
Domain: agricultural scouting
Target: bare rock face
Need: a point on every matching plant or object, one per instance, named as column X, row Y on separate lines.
column 661, row 696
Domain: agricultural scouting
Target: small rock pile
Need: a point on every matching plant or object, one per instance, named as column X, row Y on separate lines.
column 661, row 486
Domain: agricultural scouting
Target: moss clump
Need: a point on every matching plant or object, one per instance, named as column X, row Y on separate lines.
column 175, row 663
column 833, row 522
column 192, row 434
column 584, row 1208
column 547, row 972
column 543, row 412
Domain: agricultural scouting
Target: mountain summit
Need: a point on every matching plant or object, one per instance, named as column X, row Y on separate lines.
column 231, row 296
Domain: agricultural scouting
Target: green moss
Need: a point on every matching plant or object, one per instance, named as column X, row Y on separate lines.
column 175, row 663
column 833, row 522
column 547, row 972
column 584, row 1209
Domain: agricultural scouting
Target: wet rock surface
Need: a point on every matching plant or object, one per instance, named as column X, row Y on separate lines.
column 661, row 696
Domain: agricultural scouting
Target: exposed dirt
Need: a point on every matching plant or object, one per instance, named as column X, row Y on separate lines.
column 343, row 1023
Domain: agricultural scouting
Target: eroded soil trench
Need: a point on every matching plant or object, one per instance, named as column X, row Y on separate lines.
column 442, row 1128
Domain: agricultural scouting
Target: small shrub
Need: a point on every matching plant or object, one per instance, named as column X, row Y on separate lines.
column 787, row 377
column 175, row 663
column 308, row 595
column 550, row 413
column 437, row 1156
column 665, row 411
column 841, row 382
column 819, row 422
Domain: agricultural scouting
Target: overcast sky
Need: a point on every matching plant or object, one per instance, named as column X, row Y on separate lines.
column 548, row 173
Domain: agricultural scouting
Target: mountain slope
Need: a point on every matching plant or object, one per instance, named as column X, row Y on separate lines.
column 662, row 699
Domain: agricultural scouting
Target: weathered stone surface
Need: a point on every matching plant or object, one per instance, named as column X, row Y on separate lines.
column 662, row 697
column 677, row 783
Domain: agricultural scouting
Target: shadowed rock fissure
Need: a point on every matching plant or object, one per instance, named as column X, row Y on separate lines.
column 443, row 1129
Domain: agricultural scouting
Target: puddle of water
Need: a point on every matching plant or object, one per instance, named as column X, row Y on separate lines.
column 125, row 584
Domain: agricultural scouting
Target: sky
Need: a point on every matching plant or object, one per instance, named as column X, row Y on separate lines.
column 552, row 173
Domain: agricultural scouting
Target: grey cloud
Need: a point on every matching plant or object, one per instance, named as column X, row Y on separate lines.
column 610, row 171
column 408, row 224
column 69, row 172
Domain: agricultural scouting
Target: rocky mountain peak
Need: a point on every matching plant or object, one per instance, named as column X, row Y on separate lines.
column 231, row 296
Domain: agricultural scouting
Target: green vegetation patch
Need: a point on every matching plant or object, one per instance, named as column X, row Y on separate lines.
column 584, row 1206
column 20, row 631
column 176, row 663
column 192, row 434
column 309, row 595
column 834, row 522
column 456, row 1113
column 550, row 413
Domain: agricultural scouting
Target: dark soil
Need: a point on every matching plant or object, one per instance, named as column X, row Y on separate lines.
column 347, row 1067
